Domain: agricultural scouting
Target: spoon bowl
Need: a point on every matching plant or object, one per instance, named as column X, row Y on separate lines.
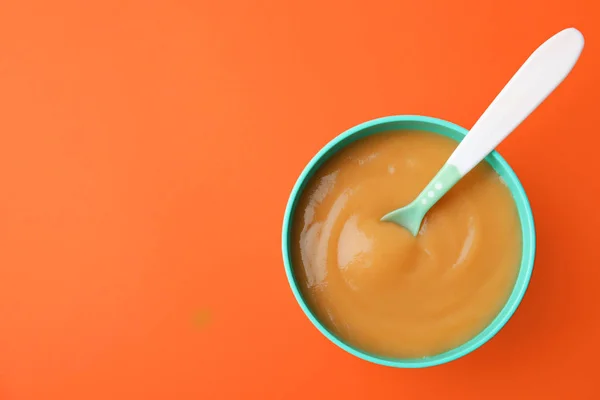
column 434, row 125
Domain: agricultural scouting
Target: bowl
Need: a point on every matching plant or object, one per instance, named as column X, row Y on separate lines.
column 417, row 123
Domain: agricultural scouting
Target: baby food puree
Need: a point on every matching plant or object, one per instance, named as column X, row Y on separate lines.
column 376, row 286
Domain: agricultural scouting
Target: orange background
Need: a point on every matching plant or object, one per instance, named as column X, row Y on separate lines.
column 147, row 151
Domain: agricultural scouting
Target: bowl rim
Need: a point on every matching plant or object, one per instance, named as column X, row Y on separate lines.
column 525, row 216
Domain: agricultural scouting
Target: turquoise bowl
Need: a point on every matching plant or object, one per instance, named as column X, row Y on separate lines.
column 417, row 123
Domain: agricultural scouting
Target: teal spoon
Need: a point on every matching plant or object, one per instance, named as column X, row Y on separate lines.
column 543, row 71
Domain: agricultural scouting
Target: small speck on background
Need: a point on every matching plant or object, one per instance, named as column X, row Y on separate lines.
column 202, row 318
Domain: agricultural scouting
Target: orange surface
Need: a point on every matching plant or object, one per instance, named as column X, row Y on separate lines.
column 132, row 131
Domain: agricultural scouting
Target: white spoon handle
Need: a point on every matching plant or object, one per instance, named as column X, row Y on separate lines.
column 543, row 71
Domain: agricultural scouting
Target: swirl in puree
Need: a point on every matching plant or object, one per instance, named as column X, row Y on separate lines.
column 372, row 283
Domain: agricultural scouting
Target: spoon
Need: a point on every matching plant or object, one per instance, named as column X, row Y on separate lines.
column 543, row 71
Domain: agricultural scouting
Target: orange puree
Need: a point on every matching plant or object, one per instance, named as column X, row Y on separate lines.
column 377, row 287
